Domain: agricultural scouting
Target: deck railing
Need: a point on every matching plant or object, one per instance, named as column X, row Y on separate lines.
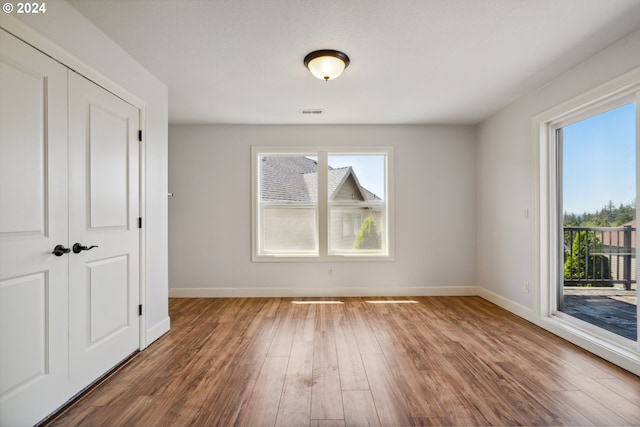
column 600, row 256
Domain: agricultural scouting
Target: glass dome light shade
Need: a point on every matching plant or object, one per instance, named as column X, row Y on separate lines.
column 326, row 64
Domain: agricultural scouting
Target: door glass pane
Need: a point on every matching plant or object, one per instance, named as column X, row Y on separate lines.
column 599, row 221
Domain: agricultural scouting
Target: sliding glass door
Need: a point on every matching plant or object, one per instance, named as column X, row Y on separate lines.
column 597, row 195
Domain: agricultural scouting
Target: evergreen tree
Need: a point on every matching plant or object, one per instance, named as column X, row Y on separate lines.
column 608, row 216
column 610, row 213
column 582, row 264
column 624, row 214
column 571, row 220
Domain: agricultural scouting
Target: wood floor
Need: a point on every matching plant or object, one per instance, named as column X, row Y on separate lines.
column 439, row 361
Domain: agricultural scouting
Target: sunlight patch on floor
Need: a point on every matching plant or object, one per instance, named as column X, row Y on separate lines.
column 401, row 301
column 317, row 302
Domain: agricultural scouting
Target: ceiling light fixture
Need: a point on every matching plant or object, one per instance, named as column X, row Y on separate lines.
column 326, row 64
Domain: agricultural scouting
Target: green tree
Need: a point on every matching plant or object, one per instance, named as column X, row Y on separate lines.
column 571, row 220
column 624, row 214
column 581, row 264
column 608, row 216
column 368, row 237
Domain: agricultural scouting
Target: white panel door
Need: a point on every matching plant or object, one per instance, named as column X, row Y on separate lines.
column 104, row 290
column 33, row 220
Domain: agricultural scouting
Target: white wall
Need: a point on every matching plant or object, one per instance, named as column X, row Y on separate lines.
column 506, row 186
column 65, row 34
column 506, row 177
column 210, row 213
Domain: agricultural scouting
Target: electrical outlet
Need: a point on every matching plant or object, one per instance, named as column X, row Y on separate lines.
column 525, row 287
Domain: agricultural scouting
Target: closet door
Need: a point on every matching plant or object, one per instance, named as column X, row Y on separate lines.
column 104, row 288
column 33, row 221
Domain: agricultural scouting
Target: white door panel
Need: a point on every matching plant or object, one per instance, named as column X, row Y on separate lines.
column 108, row 158
column 104, row 207
column 33, row 220
column 109, row 290
column 22, row 181
column 28, row 340
column 69, row 173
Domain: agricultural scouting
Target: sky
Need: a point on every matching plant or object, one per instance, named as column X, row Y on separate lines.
column 599, row 161
column 368, row 168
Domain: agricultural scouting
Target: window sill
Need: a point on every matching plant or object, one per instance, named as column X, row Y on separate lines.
column 325, row 258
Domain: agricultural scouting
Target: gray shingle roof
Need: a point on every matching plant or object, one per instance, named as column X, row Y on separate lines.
column 295, row 179
column 282, row 178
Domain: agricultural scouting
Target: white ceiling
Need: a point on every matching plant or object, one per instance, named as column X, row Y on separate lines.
column 412, row 61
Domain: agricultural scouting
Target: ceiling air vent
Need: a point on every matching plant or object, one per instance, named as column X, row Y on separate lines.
column 311, row 111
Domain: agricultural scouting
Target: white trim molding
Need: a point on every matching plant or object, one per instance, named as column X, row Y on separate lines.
column 511, row 306
column 547, row 272
column 230, row 292
column 322, row 208
column 158, row 330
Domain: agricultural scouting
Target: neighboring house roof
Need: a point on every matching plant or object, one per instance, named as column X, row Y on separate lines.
column 282, row 178
column 295, row 179
column 616, row 239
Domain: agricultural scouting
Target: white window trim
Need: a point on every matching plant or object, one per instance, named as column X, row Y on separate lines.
column 547, row 218
column 323, row 203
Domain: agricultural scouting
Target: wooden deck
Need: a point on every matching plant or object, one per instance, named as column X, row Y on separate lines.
column 613, row 309
column 438, row 361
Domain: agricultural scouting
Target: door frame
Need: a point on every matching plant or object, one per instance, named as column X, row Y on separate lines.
column 546, row 238
column 25, row 33
column 615, row 100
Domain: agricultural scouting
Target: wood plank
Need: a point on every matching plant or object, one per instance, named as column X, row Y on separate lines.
column 616, row 396
column 416, row 392
column 120, row 416
column 262, row 407
column 295, row 405
column 387, row 394
column 327, row 423
column 444, row 361
column 352, row 373
column 365, row 337
column 359, row 408
column 590, row 411
column 450, row 393
column 285, row 330
column 237, row 376
column 500, row 399
column 306, row 322
column 623, row 386
column 326, row 397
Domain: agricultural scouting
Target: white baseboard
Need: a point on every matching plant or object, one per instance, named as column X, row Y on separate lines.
column 320, row 292
column 157, row 330
column 515, row 308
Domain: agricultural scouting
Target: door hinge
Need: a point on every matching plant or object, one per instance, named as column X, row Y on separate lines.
column 139, row 222
column 140, row 310
column 140, row 135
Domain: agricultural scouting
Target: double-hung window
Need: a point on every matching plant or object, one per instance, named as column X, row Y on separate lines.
column 321, row 202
